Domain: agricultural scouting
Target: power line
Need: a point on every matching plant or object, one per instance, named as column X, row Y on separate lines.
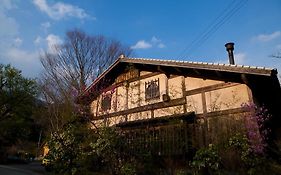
column 207, row 28
column 217, row 26
column 223, row 17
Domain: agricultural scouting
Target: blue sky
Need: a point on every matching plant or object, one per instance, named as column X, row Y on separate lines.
column 194, row 30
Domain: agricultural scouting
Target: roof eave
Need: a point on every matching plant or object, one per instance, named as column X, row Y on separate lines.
column 205, row 66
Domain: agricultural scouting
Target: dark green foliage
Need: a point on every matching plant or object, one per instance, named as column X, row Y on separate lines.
column 17, row 93
column 232, row 157
column 111, row 150
column 78, row 149
column 110, row 146
column 247, row 161
column 68, row 148
column 207, row 160
column 17, row 101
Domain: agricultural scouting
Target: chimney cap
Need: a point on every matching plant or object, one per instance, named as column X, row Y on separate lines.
column 229, row 46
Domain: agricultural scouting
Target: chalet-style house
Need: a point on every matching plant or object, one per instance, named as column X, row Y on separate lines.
column 162, row 97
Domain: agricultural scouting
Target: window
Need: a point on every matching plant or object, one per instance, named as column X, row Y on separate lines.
column 152, row 90
column 106, row 102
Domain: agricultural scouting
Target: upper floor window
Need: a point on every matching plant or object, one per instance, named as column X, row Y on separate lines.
column 152, row 90
column 106, row 102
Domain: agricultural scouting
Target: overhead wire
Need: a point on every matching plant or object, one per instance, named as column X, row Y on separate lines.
column 206, row 29
column 223, row 17
column 216, row 27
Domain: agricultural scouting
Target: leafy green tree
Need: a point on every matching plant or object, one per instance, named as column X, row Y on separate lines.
column 16, row 92
column 17, row 99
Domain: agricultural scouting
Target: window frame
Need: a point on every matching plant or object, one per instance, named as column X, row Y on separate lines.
column 106, row 105
column 152, row 90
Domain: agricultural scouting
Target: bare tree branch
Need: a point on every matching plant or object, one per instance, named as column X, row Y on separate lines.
column 277, row 55
column 71, row 67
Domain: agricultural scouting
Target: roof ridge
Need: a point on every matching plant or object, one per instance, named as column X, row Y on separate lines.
column 201, row 63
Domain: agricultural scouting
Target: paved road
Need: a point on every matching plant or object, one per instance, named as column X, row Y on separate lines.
column 7, row 170
column 22, row 169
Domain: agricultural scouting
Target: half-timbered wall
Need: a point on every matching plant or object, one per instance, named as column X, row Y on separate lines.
column 178, row 95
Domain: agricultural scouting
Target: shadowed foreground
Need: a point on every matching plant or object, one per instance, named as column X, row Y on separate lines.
column 33, row 168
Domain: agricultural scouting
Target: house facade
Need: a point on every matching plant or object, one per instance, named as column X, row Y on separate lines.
column 139, row 94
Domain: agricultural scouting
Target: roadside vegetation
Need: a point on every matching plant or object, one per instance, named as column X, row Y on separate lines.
column 19, row 128
column 105, row 150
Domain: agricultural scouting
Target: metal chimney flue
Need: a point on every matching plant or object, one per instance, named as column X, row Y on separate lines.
column 229, row 48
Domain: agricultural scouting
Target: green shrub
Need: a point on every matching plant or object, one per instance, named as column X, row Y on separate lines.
column 206, row 160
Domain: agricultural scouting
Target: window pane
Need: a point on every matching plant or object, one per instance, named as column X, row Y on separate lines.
column 152, row 89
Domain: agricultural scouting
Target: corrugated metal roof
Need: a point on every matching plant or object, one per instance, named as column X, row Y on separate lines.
column 203, row 65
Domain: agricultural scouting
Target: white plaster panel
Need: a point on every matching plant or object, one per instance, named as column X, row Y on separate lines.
column 168, row 111
column 134, row 94
column 227, row 98
column 175, row 87
column 194, row 103
column 194, row 83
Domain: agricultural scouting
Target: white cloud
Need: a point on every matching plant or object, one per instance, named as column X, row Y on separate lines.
column 52, row 41
column 18, row 56
column 27, row 61
column 154, row 42
column 157, row 42
column 141, row 45
column 46, row 25
column 161, row 45
column 10, row 52
column 37, row 40
column 17, row 42
column 7, row 4
column 8, row 26
column 278, row 46
column 268, row 37
column 60, row 10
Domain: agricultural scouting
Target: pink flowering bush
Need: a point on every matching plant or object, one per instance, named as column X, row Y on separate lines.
column 244, row 152
column 256, row 128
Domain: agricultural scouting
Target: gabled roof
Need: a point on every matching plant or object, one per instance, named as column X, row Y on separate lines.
column 204, row 65
column 200, row 66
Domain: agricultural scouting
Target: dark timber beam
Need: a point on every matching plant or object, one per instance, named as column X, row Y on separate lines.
column 178, row 69
column 174, row 102
column 196, row 71
column 218, row 73
column 245, row 79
